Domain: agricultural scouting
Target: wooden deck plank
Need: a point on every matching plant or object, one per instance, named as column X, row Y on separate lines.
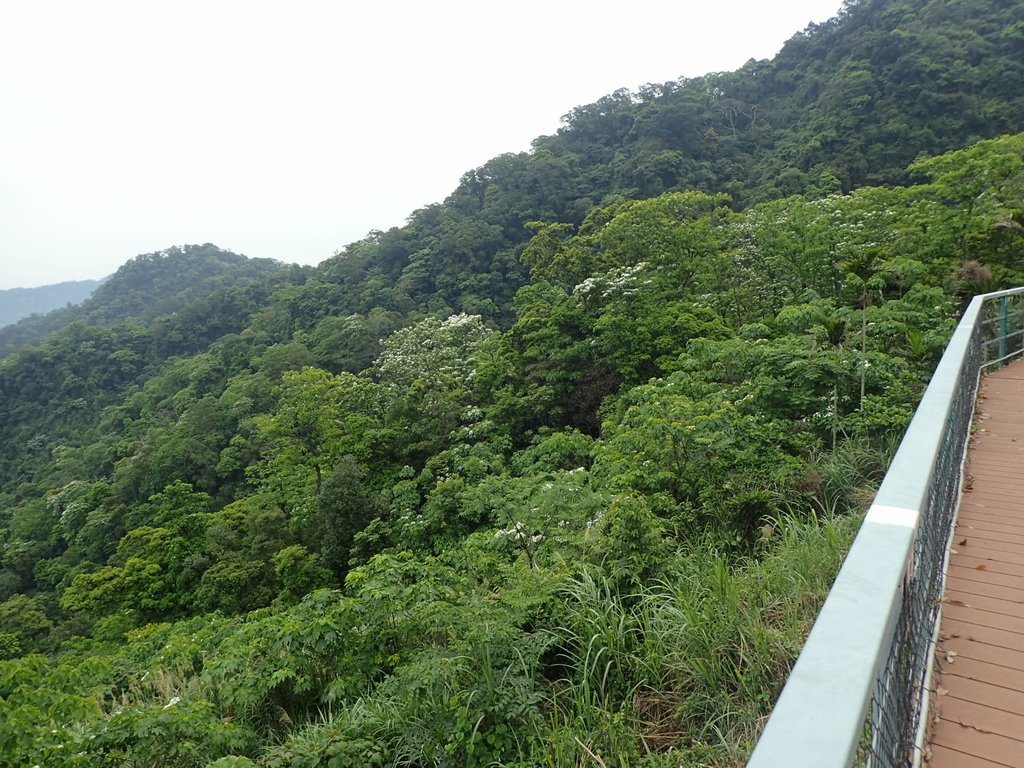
column 972, row 514
column 981, row 559
column 985, row 603
column 989, row 527
column 992, row 504
column 981, row 534
column 986, row 745
column 982, row 635
column 986, row 522
column 961, row 642
column 953, row 757
column 1000, row 502
column 970, row 613
column 983, row 671
column 981, row 719
column 980, row 692
column 988, row 590
column 978, row 706
column 1011, row 580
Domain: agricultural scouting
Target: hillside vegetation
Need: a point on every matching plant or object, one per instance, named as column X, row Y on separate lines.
column 557, row 474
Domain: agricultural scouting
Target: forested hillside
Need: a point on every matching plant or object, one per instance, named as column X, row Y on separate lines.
column 18, row 303
column 850, row 102
column 556, row 474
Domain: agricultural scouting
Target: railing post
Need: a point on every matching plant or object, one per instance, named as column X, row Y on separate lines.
column 1004, row 325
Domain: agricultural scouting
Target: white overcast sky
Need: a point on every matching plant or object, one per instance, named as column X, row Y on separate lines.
column 289, row 129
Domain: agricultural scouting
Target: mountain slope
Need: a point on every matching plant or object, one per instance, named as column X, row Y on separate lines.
column 17, row 303
column 155, row 307
column 849, row 102
column 147, row 287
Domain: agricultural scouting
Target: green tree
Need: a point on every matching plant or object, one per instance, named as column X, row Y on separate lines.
column 300, row 572
column 24, row 626
column 304, row 429
column 343, row 509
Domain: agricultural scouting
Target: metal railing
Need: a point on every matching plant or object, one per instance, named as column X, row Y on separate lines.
column 856, row 693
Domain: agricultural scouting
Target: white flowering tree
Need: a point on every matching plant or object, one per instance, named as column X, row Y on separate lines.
column 427, row 371
column 438, row 352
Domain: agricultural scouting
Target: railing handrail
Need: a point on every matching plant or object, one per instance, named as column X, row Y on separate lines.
column 819, row 719
column 986, row 297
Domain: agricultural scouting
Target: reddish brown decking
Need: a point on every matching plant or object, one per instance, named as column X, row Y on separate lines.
column 978, row 687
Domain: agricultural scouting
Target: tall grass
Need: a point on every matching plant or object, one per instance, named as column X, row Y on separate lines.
column 691, row 664
column 846, row 478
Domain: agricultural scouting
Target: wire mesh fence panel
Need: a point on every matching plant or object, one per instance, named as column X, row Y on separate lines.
column 896, row 707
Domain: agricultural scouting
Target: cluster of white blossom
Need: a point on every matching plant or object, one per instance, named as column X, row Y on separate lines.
column 624, row 281
column 432, row 349
column 519, row 533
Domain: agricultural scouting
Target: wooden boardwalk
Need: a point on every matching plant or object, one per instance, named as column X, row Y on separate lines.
column 978, row 687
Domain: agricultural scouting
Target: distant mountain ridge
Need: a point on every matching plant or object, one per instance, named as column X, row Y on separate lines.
column 19, row 303
column 181, row 278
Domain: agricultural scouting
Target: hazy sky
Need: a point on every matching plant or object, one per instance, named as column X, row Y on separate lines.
column 289, row 129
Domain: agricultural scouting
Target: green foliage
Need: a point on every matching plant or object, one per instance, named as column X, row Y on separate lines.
column 299, row 571
column 342, row 510
column 565, row 450
column 984, row 187
column 632, row 548
column 24, row 626
column 581, row 516
column 181, row 732
column 236, row 584
column 302, row 433
column 232, row 761
column 707, row 464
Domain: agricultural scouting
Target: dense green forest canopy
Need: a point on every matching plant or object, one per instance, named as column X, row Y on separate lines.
column 554, row 475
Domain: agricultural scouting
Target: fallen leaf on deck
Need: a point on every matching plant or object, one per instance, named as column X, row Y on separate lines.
column 973, row 727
